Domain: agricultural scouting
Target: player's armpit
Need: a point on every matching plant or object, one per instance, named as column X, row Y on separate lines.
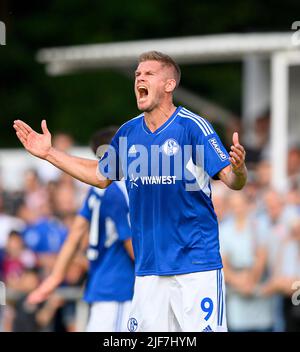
column 129, row 248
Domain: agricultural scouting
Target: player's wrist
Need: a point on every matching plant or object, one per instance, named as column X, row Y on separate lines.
column 50, row 156
column 240, row 171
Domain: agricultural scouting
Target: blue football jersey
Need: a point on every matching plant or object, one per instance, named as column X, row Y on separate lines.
column 111, row 270
column 167, row 173
column 46, row 235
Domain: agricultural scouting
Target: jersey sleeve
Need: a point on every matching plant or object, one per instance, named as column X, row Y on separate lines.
column 85, row 210
column 109, row 164
column 208, row 148
column 120, row 216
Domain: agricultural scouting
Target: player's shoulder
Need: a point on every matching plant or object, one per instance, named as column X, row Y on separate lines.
column 194, row 122
column 128, row 125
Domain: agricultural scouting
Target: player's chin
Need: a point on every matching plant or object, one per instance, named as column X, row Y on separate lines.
column 143, row 106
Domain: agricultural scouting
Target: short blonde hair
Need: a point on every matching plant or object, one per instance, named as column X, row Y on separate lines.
column 164, row 59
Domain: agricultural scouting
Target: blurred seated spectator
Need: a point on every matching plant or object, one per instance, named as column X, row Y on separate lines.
column 16, row 259
column 8, row 223
column 243, row 250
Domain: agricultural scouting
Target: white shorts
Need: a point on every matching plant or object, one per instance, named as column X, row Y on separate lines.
column 181, row 303
column 108, row 316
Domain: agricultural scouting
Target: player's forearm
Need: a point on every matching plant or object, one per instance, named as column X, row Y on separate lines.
column 63, row 262
column 84, row 170
column 69, row 249
column 239, row 178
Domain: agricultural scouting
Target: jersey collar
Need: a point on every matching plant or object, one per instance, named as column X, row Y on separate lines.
column 163, row 126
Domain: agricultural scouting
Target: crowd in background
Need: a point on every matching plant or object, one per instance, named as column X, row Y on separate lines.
column 33, row 226
column 259, row 240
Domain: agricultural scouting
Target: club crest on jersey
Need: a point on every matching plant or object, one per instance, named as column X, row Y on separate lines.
column 170, row 147
column 132, row 324
column 214, row 143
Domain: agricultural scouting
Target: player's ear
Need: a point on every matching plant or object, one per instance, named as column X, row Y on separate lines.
column 170, row 85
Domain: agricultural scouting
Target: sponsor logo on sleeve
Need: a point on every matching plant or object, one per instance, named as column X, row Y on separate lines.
column 214, row 143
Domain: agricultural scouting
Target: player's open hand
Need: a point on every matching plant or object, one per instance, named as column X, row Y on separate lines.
column 35, row 143
column 237, row 154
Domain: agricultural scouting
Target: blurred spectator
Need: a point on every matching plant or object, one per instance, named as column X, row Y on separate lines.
column 244, row 258
column 294, row 166
column 75, row 277
column 259, row 149
column 287, row 273
column 43, row 233
column 8, row 223
column 64, row 200
column 63, row 142
column 275, row 223
column 16, row 259
column 33, row 318
column 35, row 194
column 263, row 174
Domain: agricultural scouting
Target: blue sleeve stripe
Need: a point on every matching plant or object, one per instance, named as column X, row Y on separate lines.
column 222, row 298
column 204, row 122
column 218, row 296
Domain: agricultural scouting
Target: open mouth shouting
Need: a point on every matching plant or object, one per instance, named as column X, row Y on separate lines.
column 142, row 93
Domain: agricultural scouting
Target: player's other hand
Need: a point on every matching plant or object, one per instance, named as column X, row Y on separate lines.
column 38, row 144
column 237, row 154
column 42, row 292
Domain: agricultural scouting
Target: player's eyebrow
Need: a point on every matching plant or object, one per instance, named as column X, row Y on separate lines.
column 149, row 72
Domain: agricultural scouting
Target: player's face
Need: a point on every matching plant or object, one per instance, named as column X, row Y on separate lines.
column 151, row 78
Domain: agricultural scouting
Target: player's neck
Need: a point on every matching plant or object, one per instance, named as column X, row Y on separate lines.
column 157, row 117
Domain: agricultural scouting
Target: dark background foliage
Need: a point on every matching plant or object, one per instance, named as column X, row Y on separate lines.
column 83, row 102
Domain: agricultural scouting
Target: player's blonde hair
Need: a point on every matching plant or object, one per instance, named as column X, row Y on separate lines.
column 164, row 59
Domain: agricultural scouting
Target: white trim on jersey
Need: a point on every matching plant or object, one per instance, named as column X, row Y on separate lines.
column 144, row 128
column 99, row 191
column 168, row 124
column 165, row 126
column 195, row 120
column 200, row 175
column 201, row 119
column 122, row 186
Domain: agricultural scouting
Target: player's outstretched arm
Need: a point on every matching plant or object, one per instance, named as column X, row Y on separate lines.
column 79, row 228
column 39, row 145
column 235, row 175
